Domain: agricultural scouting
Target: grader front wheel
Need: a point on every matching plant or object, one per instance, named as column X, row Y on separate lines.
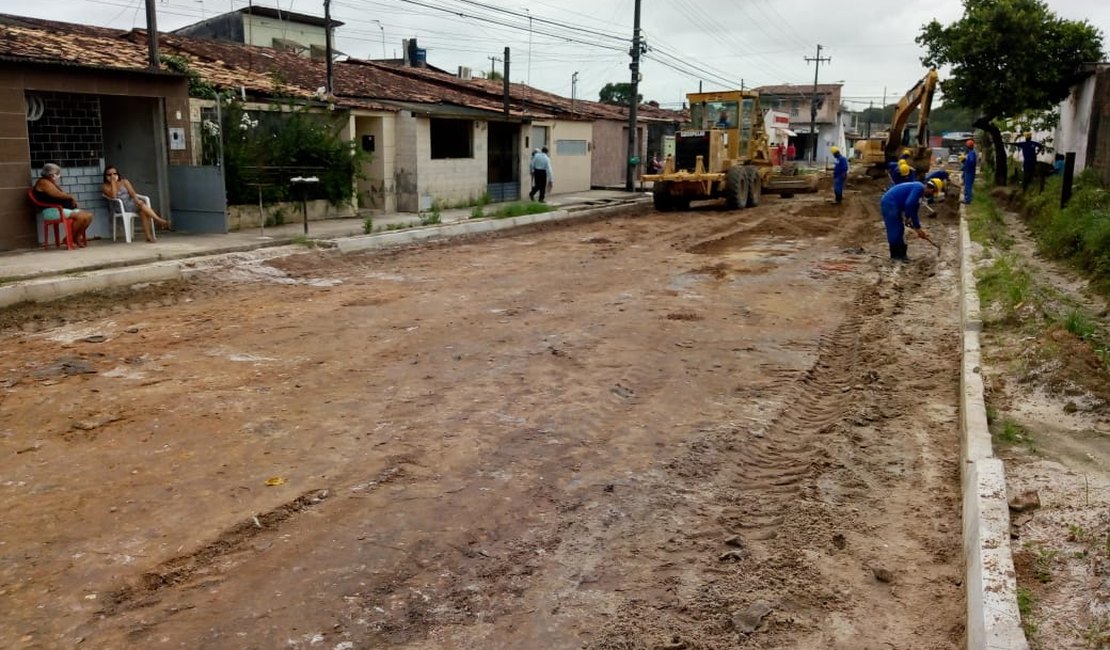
column 736, row 188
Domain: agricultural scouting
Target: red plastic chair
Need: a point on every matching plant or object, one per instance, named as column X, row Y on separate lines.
column 47, row 223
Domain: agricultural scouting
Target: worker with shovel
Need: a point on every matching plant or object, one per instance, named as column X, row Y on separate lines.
column 902, row 201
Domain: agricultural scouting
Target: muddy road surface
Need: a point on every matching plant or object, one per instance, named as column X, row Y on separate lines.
column 707, row 429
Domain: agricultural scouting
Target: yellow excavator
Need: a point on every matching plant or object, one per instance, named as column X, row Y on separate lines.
column 877, row 153
column 723, row 152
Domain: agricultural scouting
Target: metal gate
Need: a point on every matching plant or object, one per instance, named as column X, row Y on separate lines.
column 503, row 183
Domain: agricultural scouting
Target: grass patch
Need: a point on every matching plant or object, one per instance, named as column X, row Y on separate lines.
column 1079, row 233
column 368, row 225
column 1025, row 602
column 986, row 224
column 477, row 212
column 521, row 208
column 1006, row 284
column 431, row 218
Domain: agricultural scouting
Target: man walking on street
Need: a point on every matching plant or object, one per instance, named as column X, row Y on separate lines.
column 542, row 178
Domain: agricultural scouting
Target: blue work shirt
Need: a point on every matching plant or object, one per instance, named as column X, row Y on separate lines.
column 970, row 163
column 840, row 170
column 906, row 198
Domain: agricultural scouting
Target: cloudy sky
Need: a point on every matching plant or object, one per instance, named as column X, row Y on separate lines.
column 719, row 43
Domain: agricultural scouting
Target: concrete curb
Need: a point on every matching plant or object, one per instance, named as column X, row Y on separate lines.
column 993, row 620
column 411, row 235
column 47, row 288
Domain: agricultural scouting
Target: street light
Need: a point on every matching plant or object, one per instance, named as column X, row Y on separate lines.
column 529, row 12
column 382, row 27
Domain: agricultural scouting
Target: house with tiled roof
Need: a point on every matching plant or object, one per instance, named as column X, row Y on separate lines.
column 434, row 137
column 797, row 101
column 78, row 96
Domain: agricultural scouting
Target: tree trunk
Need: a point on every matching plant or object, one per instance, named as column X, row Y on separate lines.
column 998, row 148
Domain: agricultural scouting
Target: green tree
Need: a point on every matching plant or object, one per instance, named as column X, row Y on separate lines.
column 618, row 94
column 1007, row 57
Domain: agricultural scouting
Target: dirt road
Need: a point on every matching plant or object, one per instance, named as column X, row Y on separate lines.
column 698, row 430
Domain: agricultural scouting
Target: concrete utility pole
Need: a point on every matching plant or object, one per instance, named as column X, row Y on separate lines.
column 573, row 91
column 813, row 103
column 382, row 27
column 633, row 101
column 505, row 81
column 329, row 85
column 152, row 34
column 492, row 62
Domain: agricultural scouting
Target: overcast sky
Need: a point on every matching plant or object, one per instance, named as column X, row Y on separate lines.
column 719, row 42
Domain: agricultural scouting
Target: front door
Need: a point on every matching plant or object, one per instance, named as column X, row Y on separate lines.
column 503, row 181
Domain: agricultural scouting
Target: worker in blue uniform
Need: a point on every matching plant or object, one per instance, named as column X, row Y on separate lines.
column 1029, row 150
column 901, row 171
column 943, row 175
column 899, row 205
column 840, row 173
column 968, row 167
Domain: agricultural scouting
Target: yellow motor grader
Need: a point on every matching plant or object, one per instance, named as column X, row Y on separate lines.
column 723, row 152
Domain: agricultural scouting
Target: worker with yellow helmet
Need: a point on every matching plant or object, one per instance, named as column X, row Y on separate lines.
column 840, row 173
column 900, row 204
column 901, row 171
column 942, row 176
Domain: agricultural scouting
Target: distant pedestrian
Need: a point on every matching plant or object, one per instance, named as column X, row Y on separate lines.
column 840, row 174
column 1029, row 150
column 968, row 167
column 542, row 178
column 899, row 205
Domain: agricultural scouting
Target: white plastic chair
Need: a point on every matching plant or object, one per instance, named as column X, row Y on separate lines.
column 115, row 206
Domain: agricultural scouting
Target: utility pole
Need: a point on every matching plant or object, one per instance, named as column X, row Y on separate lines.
column 633, row 101
column 329, row 85
column 870, row 109
column 573, row 91
column 813, row 103
column 152, row 34
column 382, row 27
column 492, row 61
column 505, row 81
column 529, row 78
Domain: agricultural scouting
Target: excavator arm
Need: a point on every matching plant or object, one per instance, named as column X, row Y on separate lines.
column 920, row 95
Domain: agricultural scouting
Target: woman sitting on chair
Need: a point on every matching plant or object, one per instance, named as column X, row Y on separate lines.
column 117, row 187
column 47, row 190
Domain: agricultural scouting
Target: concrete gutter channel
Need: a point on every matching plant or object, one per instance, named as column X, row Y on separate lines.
column 993, row 621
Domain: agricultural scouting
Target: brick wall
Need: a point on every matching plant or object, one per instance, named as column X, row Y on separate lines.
column 69, row 131
column 83, row 184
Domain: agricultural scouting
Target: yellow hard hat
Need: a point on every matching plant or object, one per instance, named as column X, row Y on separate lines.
column 904, row 168
column 906, row 153
column 937, row 183
column 963, row 157
column 1028, row 134
column 834, row 150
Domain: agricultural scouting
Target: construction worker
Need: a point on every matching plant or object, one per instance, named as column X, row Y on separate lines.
column 943, row 176
column 900, row 172
column 968, row 167
column 1029, row 150
column 840, row 173
column 899, row 207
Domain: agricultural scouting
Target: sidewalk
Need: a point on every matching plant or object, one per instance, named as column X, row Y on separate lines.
column 104, row 254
